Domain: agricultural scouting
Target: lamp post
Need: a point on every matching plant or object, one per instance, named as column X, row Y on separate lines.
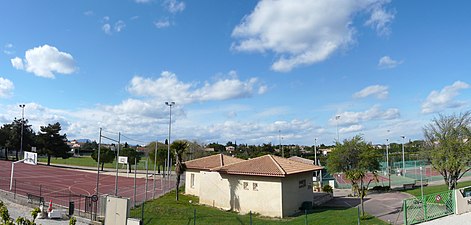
column 337, row 123
column 169, row 104
column 403, row 159
column 22, row 106
column 387, row 162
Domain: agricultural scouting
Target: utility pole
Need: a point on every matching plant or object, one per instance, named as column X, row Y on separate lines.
column 315, row 151
column 337, row 122
column 22, row 106
column 403, row 158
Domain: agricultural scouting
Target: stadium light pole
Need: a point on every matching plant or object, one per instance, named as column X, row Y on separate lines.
column 169, row 104
column 22, row 106
column 98, row 165
column 403, row 158
column 315, row 151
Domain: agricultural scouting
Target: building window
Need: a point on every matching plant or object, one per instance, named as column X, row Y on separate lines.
column 192, row 180
column 246, row 185
column 302, row 183
column 255, row 186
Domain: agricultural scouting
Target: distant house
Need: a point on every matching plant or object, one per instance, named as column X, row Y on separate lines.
column 230, row 149
column 269, row 185
column 197, row 166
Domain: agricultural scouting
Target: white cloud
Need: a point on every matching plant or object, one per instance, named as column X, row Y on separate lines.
column 142, row 1
column 387, row 62
column 163, row 23
column 168, row 87
column 6, row 88
column 440, row 100
column 380, row 19
column 350, row 129
column 106, row 28
column 44, row 61
column 88, row 13
column 119, row 26
column 8, row 49
column 379, row 91
column 374, row 113
column 302, row 32
column 174, row 6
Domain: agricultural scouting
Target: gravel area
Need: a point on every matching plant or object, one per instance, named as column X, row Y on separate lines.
column 17, row 210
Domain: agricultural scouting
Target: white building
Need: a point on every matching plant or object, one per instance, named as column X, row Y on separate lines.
column 268, row 185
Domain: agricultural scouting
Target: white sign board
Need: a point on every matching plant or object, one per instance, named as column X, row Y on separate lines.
column 33, row 149
column 123, row 159
column 31, row 158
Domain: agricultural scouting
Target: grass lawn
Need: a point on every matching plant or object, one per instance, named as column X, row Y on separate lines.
column 165, row 210
column 88, row 161
column 435, row 189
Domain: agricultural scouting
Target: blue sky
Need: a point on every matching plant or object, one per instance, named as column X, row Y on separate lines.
column 245, row 71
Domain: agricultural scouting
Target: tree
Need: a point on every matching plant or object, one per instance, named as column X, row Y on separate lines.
column 106, row 156
column 161, row 154
column 179, row 147
column 11, row 136
column 89, row 146
column 448, row 146
column 355, row 159
column 132, row 155
column 52, row 143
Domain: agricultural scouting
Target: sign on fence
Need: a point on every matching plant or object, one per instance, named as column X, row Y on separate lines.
column 123, row 159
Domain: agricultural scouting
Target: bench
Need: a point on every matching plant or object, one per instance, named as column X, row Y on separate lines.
column 424, row 182
column 32, row 198
column 408, row 186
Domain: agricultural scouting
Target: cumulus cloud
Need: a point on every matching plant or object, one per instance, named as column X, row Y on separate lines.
column 174, row 6
column 45, row 61
column 387, row 62
column 6, row 88
column 374, row 113
column 106, row 28
column 88, row 13
column 167, row 86
column 378, row 91
column 163, row 23
column 304, row 32
column 444, row 99
column 350, row 129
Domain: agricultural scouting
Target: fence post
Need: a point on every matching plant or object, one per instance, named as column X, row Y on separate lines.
column 250, row 213
column 404, row 205
column 14, row 196
column 194, row 216
column 40, row 190
column 358, row 212
column 305, row 216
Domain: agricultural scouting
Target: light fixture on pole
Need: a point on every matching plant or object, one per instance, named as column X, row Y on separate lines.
column 403, row 158
column 337, row 122
column 279, row 139
column 169, row 104
column 22, row 106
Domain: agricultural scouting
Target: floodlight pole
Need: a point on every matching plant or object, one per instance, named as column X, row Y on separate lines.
column 403, row 158
column 315, row 151
column 98, row 165
column 387, row 162
column 117, row 163
column 22, row 106
column 169, row 104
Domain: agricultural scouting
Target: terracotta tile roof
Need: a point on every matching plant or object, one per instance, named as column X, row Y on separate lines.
column 210, row 162
column 268, row 165
column 301, row 160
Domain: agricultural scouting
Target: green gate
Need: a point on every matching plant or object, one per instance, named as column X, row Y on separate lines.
column 432, row 206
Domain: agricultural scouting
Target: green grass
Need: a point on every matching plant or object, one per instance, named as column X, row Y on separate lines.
column 434, row 189
column 89, row 162
column 165, row 210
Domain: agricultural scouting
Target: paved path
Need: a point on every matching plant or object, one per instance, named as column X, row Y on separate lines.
column 463, row 219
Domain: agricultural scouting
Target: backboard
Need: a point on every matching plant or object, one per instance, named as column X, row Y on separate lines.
column 31, row 158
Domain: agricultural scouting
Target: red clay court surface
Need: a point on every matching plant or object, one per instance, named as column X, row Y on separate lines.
column 62, row 185
column 341, row 179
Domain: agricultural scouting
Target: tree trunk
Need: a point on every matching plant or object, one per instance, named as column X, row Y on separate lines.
column 178, row 185
column 48, row 159
column 102, row 165
column 158, row 169
column 362, row 194
column 16, row 155
column 6, row 154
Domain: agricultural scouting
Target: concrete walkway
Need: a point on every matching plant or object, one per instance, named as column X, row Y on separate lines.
column 463, row 219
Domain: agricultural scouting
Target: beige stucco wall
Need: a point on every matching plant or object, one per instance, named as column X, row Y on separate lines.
column 189, row 190
column 293, row 195
column 214, row 190
column 463, row 204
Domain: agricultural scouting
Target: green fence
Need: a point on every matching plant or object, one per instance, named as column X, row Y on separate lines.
column 432, row 206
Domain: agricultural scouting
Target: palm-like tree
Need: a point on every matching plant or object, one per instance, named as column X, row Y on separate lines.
column 179, row 147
